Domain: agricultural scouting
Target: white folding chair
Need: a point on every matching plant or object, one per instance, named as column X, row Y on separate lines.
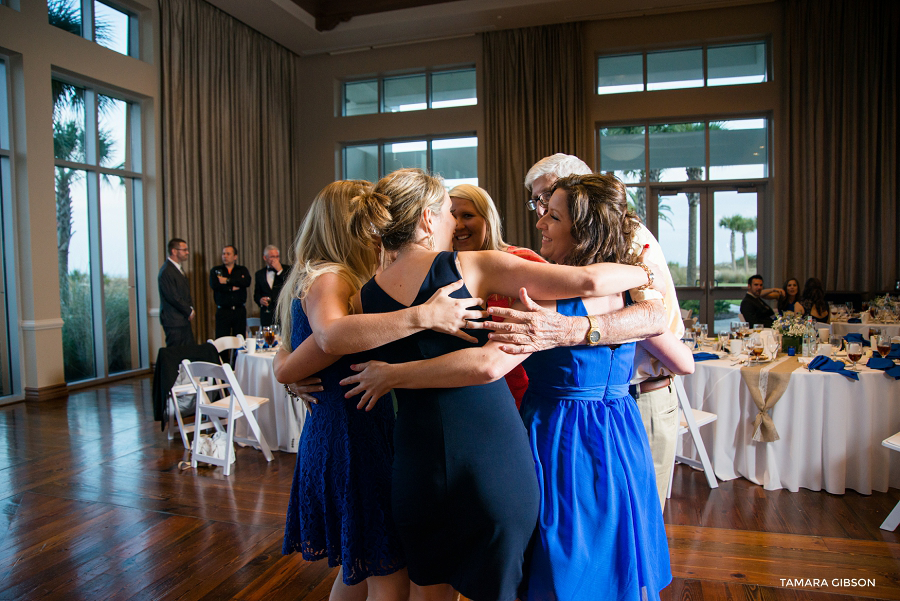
column 227, row 343
column 182, row 390
column 691, row 420
column 893, row 518
column 230, row 408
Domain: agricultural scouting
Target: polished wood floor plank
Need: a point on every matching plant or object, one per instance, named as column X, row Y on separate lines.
column 94, row 506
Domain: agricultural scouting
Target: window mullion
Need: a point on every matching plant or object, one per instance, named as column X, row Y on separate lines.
column 92, row 185
column 87, row 20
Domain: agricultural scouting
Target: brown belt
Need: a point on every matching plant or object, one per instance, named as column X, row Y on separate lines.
column 655, row 384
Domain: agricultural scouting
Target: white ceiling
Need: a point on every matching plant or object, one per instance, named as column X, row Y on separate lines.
column 294, row 28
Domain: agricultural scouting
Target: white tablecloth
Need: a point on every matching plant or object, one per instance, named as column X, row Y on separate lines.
column 281, row 419
column 831, row 429
column 841, row 328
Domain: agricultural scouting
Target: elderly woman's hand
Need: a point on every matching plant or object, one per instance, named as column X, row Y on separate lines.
column 302, row 389
column 538, row 328
column 443, row 313
column 372, row 382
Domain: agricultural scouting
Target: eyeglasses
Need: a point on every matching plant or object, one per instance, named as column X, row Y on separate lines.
column 185, row 249
column 541, row 200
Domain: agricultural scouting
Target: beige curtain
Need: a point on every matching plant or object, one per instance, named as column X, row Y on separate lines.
column 841, row 221
column 533, row 107
column 231, row 100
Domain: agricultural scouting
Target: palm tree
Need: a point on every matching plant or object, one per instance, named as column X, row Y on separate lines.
column 746, row 225
column 731, row 223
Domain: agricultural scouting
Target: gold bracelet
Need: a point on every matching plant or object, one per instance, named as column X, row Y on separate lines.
column 650, row 276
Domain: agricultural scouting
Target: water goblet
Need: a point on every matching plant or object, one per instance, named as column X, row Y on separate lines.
column 883, row 344
column 836, row 343
column 704, row 331
column 755, row 347
column 854, row 353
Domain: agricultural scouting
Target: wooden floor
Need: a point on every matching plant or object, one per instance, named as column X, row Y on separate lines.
column 93, row 506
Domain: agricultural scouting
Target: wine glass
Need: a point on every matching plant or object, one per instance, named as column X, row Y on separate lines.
column 260, row 339
column 704, row 332
column 269, row 335
column 836, row 343
column 883, row 344
column 854, row 353
column 745, row 329
column 723, row 340
column 755, row 347
column 689, row 339
column 735, row 327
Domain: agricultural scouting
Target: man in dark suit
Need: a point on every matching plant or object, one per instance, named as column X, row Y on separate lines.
column 754, row 309
column 268, row 284
column 229, row 283
column 175, row 305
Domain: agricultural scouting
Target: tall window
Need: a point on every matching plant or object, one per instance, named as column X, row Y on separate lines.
column 8, row 312
column 102, row 22
column 455, row 159
column 719, row 65
column 697, row 185
column 98, row 198
column 416, row 92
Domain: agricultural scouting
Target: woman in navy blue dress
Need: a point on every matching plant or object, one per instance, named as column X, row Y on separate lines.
column 600, row 532
column 464, row 493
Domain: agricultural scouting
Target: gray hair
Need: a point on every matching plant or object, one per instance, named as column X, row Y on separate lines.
column 268, row 248
column 559, row 165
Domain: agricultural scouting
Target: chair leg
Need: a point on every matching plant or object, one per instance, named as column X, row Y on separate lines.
column 254, row 427
column 893, row 519
column 180, row 421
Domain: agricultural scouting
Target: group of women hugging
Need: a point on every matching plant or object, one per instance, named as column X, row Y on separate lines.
column 416, row 471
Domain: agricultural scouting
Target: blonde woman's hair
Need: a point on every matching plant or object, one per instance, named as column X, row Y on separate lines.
column 392, row 209
column 325, row 244
column 484, row 204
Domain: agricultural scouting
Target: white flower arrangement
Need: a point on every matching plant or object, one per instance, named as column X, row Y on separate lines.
column 790, row 325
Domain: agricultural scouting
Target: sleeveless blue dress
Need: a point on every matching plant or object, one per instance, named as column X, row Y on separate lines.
column 340, row 504
column 465, row 497
column 600, row 530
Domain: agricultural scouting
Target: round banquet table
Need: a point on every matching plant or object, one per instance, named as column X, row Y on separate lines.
column 842, row 328
column 281, row 419
column 830, row 429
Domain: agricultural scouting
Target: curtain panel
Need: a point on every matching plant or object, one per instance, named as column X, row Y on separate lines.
column 230, row 102
column 534, row 106
column 840, row 193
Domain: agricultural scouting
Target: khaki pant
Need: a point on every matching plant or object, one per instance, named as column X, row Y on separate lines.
column 659, row 412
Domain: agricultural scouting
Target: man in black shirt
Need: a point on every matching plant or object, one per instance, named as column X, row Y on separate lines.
column 268, row 284
column 754, row 309
column 229, row 283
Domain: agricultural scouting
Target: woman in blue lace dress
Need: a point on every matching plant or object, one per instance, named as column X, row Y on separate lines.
column 340, row 502
column 600, row 531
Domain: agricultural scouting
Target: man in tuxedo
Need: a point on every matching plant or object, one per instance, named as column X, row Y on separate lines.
column 175, row 305
column 229, row 283
column 269, row 281
column 754, row 309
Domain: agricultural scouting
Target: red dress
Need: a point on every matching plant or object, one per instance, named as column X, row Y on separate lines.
column 517, row 380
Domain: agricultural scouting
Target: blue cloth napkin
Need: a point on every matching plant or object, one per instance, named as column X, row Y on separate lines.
column 854, row 320
column 886, row 365
column 823, row 363
column 895, row 352
column 856, row 337
column 705, row 356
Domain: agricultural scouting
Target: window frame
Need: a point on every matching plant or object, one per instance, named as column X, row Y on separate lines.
column 133, row 46
column 380, row 143
column 704, row 47
column 428, row 72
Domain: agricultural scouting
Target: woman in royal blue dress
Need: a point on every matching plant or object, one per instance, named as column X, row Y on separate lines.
column 340, row 500
column 600, row 531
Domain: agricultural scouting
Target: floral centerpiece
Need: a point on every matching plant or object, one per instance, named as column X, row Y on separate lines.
column 791, row 327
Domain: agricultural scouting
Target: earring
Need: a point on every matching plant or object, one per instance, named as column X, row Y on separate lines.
column 430, row 241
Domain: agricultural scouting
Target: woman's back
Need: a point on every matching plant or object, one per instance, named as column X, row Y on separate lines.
column 464, row 493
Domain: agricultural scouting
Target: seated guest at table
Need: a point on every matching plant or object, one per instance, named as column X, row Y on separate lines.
column 478, row 227
column 813, row 300
column 340, row 504
column 790, row 300
column 754, row 309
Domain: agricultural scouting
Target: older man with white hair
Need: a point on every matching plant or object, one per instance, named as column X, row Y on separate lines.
column 656, row 360
column 268, row 283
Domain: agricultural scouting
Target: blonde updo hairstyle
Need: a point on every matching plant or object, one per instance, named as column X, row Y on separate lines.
column 602, row 226
column 325, row 244
column 484, row 204
column 393, row 209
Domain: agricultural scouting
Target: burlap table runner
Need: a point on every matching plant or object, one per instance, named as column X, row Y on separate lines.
column 767, row 382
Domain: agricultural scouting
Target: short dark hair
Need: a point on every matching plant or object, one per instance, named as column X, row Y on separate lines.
column 173, row 243
column 232, row 247
column 755, row 276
